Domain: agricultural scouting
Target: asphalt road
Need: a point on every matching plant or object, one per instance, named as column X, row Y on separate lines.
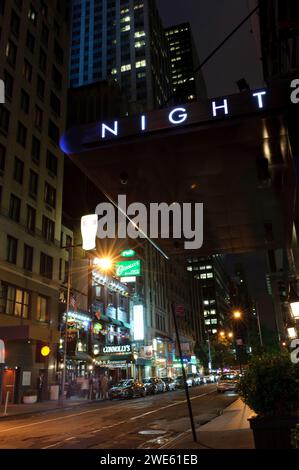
column 146, row 423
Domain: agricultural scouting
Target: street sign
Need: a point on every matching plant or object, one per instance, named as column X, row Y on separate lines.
column 128, row 268
column 128, row 253
column 2, row 352
column 128, row 279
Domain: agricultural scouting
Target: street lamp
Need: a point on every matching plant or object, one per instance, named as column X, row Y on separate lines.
column 293, row 300
column 88, row 232
column 237, row 315
column 105, row 264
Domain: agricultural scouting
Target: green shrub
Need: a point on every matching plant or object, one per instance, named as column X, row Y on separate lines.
column 270, row 385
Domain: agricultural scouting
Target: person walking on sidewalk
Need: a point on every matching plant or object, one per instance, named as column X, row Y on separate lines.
column 104, row 387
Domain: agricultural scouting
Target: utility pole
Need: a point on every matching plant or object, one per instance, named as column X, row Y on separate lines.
column 183, row 372
column 68, row 297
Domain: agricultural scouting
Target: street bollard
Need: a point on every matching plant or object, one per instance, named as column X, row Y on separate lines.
column 6, row 404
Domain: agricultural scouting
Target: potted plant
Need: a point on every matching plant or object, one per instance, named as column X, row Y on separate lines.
column 270, row 387
column 29, row 397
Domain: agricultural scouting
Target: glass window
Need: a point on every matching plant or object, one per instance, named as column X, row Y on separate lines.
column 31, row 216
column 18, row 170
column 33, row 183
column 28, row 258
column 35, row 149
column 25, row 101
column 46, row 266
column 15, row 208
column 21, row 134
column 50, row 195
column 42, row 309
column 12, row 248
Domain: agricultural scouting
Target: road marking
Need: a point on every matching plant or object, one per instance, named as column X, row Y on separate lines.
column 97, row 411
column 174, row 439
column 70, row 438
column 168, row 406
column 52, row 445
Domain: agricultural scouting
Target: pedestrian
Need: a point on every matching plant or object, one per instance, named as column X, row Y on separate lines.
column 104, row 387
column 85, row 387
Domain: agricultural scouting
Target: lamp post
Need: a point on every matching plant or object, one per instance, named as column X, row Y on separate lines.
column 89, row 225
column 237, row 316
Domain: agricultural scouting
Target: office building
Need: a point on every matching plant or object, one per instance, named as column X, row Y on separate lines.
column 214, row 282
column 34, row 66
column 186, row 84
column 122, row 39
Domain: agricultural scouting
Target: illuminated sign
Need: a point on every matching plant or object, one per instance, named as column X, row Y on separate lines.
column 138, row 323
column 128, row 253
column 89, row 137
column 125, row 349
column 128, row 268
column 128, row 279
column 45, row 351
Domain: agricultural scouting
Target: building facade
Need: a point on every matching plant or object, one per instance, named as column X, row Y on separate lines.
column 187, row 85
column 122, row 39
column 34, row 66
column 214, row 283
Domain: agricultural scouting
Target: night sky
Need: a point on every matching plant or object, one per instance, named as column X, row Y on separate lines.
column 211, row 21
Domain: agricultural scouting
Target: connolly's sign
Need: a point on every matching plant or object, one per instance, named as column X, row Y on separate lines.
column 124, row 349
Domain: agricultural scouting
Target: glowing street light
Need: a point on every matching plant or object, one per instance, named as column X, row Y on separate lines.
column 222, row 334
column 230, row 334
column 237, row 314
column 105, row 264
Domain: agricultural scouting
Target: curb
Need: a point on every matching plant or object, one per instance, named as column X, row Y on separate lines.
column 188, row 431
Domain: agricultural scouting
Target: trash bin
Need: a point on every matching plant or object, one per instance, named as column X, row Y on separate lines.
column 54, row 392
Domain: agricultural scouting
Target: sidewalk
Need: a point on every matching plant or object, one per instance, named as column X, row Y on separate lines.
column 43, row 407
column 229, row 431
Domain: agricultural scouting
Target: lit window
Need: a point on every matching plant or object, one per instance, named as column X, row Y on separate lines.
column 139, row 44
column 189, row 268
column 141, row 63
column 139, row 34
column 214, row 331
column 209, row 275
column 214, row 321
column 125, row 68
column 213, row 312
column 206, row 302
column 207, row 322
column 203, row 276
column 113, row 72
column 125, row 19
column 126, row 28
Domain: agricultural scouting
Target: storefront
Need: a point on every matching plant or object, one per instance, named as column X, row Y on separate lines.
column 117, row 360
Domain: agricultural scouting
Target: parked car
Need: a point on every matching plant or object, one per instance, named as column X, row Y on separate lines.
column 194, row 379
column 170, row 383
column 160, row 385
column 227, row 382
column 209, row 378
column 129, row 388
column 154, row 385
column 150, row 386
column 179, row 381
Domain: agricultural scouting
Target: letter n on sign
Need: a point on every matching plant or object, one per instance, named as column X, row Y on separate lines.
column 179, row 310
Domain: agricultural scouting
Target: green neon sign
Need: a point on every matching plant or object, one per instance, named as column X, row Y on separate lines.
column 128, row 268
column 128, row 253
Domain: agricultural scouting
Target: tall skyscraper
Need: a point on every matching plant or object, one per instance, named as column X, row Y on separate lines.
column 33, row 64
column 215, row 287
column 186, row 85
column 123, row 39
